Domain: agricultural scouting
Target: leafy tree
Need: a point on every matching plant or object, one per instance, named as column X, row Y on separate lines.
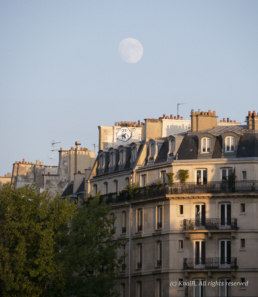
column 89, row 261
column 31, row 226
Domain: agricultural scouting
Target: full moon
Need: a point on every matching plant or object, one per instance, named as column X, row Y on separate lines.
column 130, row 50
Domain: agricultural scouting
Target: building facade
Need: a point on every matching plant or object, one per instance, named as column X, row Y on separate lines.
column 197, row 238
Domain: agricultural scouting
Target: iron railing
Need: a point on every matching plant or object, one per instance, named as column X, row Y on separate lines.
column 210, row 263
column 123, row 229
column 159, row 263
column 161, row 191
column 210, row 224
column 139, row 265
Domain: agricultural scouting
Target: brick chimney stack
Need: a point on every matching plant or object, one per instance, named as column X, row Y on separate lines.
column 203, row 120
column 252, row 120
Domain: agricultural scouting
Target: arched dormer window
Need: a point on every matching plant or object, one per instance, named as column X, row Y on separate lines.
column 121, row 157
column 206, row 145
column 105, row 188
column 152, row 150
column 171, row 147
column 94, row 190
column 112, row 159
column 134, row 154
column 229, row 144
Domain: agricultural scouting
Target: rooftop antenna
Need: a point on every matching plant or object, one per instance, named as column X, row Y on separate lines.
column 95, row 147
column 178, row 107
column 52, row 151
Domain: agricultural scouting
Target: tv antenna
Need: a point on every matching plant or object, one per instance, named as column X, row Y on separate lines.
column 95, row 147
column 52, row 151
column 178, row 107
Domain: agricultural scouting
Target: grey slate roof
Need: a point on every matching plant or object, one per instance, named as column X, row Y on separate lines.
column 68, row 190
column 81, row 187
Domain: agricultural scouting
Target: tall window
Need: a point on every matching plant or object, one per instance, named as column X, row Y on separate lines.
column 152, row 150
column 244, row 175
column 95, row 190
column 123, row 222
column 134, row 154
column 126, row 181
column 225, row 173
column 229, row 144
column 122, row 157
column 112, row 159
column 139, row 258
column 143, row 180
column 201, row 176
column 206, row 145
column 159, row 217
column 115, row 186
column 225, row 215
column 163, row 177
column 199, row 288
column 158, row 286
column 225, row 253
column 122, row 290
column 171, row 147
column 105, row 186
column 139, row 219
column 101, row 163
column 200, row 253
column 139, row 289
column 224, row 288
column 159, row 253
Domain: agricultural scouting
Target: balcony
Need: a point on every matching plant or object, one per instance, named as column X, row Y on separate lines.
column 210, row 263
column 210, row 224
column 123, row 229
column 155, row 192
column 159, row 225
column 159, row 263
column 139, row 265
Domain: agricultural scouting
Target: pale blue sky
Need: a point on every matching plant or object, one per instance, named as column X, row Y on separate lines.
column 61, row 75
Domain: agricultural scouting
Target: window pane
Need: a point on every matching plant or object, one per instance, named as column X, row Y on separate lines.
column 227, row 144
column 204, row 172
column 204, row 144
column 208, row 144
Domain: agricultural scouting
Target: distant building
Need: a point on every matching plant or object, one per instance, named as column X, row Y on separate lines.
column 6, row 179
column 71, row 162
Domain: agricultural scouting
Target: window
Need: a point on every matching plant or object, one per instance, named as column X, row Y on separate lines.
column 115, row 186
column 134, row 154
column 105, row 188
column 201, row 176
column 225, row 173
column 181, row 209
column 206, row 145
column 101, row 163
column 171, row 147
column 158, row 286
column 152, row 150
column 199, row 288
column 225, row 253
column 199, row 253
column 112, row 228
column 139, row 220
column 123, row 222
column 163, row 177
column 112, row 159
column 122, row 157
column 224, row 288
column 181, row 244
column 159, row 254
column 200, row 215
column 242, row 244
column 159, row 217
column 126, row 181
column 181, row 283
column 242, row 282
column 139, row 289
column 143, row 180
column 244, row 175
column 242, row 207
column 95, row 190
column 122, row 290
column 139, row 258
column 229, row 144
column 225, row 215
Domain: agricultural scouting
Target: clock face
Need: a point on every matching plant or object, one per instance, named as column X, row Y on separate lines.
column 124, row 134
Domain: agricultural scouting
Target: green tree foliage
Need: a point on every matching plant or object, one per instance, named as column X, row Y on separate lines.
column 133, row 189
column 89, row 261
column 170, row 176
column 31, row 226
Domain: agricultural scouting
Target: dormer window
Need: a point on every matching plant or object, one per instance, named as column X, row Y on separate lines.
column 122, row 157
column 101, row 163
column 152, row 150
column 134, row 154
column 206, row 145
column 230, row 144
column 171, row 147
column 112, row 159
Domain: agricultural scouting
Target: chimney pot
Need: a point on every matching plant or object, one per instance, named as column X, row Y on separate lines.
column 72, row 149
column 214, row 113
column 254, row 113
column 196, row 113
column 228, row 120
column 141, row 123
column 221, row 121
column 234, row 121
column 115, row 124
column 224, row 120
column 181, row 118
column 178, row 116
column 61, row 149
column 205, row 113
column 164, row 116
column 174, row 117
column 209, row 112
column 171, row 116
column 249, row 113
column 23, row 160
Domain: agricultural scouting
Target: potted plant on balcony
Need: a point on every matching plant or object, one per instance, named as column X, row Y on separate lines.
column 170, row 177
column 183, row 175
column 231, row 181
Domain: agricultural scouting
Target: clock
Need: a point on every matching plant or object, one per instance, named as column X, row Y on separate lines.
column 124, row 134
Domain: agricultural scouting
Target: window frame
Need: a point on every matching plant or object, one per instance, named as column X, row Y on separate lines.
column 207, row 148
column 230, row 138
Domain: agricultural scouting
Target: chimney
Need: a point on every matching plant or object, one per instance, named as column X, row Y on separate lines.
column 252, row 121
column 37, row 162
column 171, row 116
column 203, row 120
column 78, row 145
column 164, row 116
column 23, row 161
column 227, row 120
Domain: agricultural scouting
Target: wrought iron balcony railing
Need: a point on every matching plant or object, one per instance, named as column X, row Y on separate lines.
column 123, row 229
column 150, row 192
column 139, row 228
column 159, row 263
column 159, row 225
column 139, row 265
column 210, row 263
column 210, row 224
